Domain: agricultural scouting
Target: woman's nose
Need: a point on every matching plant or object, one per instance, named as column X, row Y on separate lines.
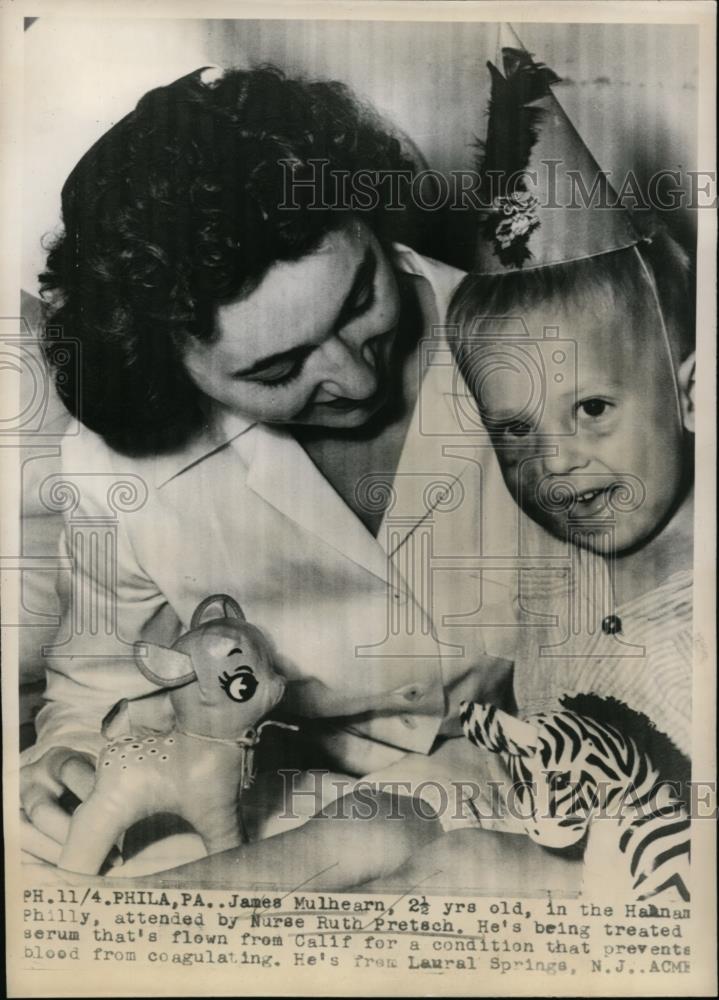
column 350, row 370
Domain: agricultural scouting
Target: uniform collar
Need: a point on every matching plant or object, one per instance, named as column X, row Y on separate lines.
column 219, row 430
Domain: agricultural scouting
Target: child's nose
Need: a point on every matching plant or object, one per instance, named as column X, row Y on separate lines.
column 569, row 457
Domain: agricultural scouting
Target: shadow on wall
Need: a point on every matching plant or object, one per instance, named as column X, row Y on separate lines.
column 629, row 89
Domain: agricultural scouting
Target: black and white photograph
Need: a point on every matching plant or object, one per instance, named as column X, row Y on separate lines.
column 358, row 364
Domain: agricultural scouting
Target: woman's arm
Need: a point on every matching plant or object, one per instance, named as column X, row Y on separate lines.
column 359, row 837
column 484, row 862
column 107, row 603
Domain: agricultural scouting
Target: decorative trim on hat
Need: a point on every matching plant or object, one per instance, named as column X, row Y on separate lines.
column 210, row 76
column 511, row 222
column 530, row 217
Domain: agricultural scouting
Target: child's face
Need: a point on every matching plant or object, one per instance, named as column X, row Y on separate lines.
column 586, row 427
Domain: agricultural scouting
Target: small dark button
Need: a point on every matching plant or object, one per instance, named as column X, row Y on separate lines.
column 412, row 693
column 612, row 624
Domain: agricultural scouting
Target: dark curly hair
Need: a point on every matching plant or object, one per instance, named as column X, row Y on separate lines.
column 177, row 209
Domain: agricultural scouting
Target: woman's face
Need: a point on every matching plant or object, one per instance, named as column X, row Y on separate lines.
column 312, row 343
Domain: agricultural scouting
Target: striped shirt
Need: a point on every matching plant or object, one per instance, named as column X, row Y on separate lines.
column 575, row 641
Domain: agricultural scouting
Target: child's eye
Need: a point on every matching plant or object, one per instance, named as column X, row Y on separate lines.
column 593, row 407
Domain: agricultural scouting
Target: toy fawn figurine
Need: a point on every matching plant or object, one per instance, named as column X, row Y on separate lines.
column 222, row 682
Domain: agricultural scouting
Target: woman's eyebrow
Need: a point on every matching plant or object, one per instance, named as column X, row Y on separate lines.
column 363, row 274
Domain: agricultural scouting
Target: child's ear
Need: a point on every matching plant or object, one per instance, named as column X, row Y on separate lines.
column 687, row 371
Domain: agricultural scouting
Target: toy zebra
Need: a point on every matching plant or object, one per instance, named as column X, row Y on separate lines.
column 573, row 775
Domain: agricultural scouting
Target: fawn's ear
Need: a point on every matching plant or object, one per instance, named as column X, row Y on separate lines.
column 115, row 724
column 167, row 668
column 216, row 606
column 139, row 716
column 496, row 730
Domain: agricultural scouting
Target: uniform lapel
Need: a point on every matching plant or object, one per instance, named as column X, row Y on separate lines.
column 427, row 472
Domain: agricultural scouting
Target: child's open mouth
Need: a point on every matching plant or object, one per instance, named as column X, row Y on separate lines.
column 588, row 495
column 592, row 501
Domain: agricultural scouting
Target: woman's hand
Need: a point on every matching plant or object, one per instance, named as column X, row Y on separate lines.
column 314, row 699
column 44, row 822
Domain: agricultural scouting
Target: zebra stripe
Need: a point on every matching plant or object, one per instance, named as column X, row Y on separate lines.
column 570, row 758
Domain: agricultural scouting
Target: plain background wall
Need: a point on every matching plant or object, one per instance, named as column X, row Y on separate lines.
column 629, row 89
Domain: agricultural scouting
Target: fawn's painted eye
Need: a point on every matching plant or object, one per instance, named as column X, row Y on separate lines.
column 240, row 685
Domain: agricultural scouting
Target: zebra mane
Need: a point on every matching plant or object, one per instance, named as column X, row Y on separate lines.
column 671, row 764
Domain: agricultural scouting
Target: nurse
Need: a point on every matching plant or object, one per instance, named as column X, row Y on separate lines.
column 271, row 388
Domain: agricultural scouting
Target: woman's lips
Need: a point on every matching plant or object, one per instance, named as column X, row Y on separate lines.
column 345, row 404
column 315, row 409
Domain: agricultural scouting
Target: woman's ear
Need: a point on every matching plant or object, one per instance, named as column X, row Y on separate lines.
column 687, row 372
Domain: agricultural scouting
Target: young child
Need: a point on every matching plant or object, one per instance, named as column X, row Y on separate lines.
column 576, row 342
column 605, row 464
